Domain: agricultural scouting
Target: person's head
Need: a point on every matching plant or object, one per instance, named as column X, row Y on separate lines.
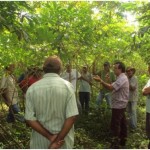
column 52, row 64
column 130, row 71
column 119, row 68
column 68, row 68
column 10, row 68
column 84, row 69
column 106, row 66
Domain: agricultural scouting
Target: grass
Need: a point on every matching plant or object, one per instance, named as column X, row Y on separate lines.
column 91, row 132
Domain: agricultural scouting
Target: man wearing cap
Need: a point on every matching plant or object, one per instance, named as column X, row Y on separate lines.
column 51, row 109
column 85, row 89
column 9, row 91
column 108, row 76
column 133, row 97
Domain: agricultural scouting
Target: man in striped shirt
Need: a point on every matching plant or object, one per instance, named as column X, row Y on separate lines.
column 51, row 109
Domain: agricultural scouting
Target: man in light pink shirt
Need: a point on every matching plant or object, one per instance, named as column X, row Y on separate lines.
column 120, row 96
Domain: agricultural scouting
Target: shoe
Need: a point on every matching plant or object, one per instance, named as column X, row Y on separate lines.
column 115, row 143
column 114, row 146
column 149, row 145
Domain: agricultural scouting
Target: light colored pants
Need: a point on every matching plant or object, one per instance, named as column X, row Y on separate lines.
column 103, row 95
column 131, row 108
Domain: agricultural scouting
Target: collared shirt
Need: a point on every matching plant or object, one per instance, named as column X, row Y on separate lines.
column 133, row 94
column 148, row 98
column 120, row 94
column 8, row 82
column 51, row 101
column 84, row 85
column 74, row 75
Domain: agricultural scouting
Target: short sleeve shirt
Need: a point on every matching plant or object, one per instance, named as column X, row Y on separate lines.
column 8, row 82
column 120, row 94
column 51, row 101
column 148, row 98
column 84, row 85
column 74, row 76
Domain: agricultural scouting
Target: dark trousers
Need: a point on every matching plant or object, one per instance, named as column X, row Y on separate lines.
column 84, row 98
column 148, row 128
column 119, row 126
column 13, row 109
column 148, row 125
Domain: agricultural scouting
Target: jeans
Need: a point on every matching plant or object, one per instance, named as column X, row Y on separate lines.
column 131, row 107
column 13, row 109
column 103, row 95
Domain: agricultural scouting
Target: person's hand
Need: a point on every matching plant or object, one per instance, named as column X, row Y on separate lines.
column 53, row 137
column 97, row 78
column 56, row 145
column 107, row 77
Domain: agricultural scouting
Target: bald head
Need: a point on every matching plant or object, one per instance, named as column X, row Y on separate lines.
column 52, row 65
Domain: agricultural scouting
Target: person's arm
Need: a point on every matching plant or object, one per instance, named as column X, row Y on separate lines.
column 107, row 85
column 36, row 125
column 82, row 78
column 146, row 91
column 59, row 141
column 133, row 85
column 70, row 115
column 6, row 97
column 31, row 120
column 4, row 90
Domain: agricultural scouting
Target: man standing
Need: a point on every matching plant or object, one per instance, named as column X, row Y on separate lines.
column 10, row 94
column 85, row 89
column 108, row 76
column 120, row 95
column 146, row 92
column 71, row 75
column 133, row 97
column 51, row 109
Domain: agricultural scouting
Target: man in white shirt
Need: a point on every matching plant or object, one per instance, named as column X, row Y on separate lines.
column 51, row 109
column 71, row 75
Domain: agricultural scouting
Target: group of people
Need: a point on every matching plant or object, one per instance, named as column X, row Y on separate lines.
column 51, row 107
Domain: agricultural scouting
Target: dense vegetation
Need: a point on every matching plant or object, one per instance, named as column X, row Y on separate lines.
column 80, row 33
